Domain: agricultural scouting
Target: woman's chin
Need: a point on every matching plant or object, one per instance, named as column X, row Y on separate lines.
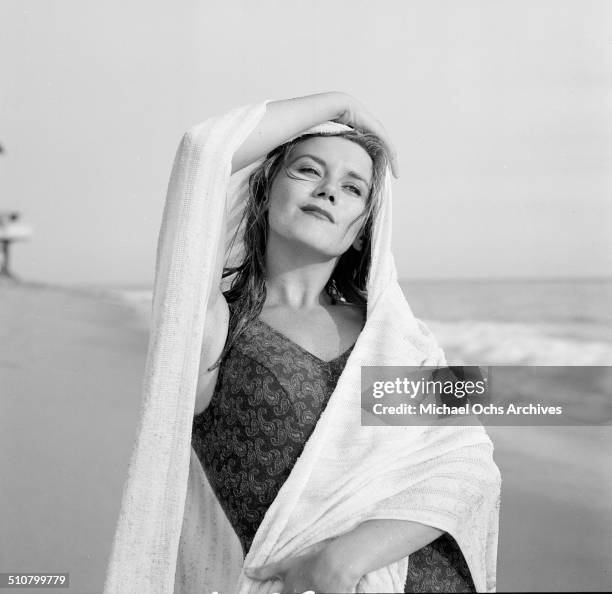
column 308, row 247
column 304, row 239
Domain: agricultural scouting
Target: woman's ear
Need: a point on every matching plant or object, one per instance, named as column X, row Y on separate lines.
column 358, row 243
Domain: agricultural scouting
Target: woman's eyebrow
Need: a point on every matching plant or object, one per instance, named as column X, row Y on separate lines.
column 324, row 164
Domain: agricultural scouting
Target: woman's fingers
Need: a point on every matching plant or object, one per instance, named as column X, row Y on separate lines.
column 264, row 572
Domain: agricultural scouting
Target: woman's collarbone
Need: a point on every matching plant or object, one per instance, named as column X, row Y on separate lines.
column 318, row 331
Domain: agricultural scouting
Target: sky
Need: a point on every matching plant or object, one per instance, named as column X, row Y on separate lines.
column 500, row 112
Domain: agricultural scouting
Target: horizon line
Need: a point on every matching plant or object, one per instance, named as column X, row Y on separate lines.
column 412, row 279
column 507, row 279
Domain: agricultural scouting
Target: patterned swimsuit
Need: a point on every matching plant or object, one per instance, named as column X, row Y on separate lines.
column 269, row 395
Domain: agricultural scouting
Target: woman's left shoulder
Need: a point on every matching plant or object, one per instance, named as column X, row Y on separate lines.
column 353, row 311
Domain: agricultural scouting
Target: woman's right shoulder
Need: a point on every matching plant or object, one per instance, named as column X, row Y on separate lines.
column 213, row 341
column 218, row 312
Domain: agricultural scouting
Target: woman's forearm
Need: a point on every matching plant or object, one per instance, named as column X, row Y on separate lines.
column 377, row 543
column 287, row 118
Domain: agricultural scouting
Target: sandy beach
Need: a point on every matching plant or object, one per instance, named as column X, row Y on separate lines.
column 71, row 366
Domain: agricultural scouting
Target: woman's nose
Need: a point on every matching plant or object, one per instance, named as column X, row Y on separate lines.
column 327, row 190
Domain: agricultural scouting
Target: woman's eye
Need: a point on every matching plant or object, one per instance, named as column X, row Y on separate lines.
column 309, row 170
column 355, row 190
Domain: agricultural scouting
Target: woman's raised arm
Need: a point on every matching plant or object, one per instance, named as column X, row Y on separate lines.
column 283, row 120
column 287, row 118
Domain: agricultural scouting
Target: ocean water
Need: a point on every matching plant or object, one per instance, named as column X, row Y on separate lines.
column 512, row 322
column 493, row 322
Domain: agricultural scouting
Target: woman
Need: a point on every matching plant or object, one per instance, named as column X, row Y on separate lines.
column 295, row 309
column 283, row 474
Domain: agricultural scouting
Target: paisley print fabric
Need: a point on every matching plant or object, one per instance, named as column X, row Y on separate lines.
column 269, row 395
column 439, row 567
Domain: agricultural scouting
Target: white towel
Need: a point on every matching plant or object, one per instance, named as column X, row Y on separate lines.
column 172, row 534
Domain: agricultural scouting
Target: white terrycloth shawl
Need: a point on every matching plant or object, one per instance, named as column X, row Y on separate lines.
column 172, row 534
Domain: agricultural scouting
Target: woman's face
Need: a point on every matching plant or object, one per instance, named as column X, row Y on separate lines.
column 332, row 173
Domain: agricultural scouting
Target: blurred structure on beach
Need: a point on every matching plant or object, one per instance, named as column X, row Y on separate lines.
column 11, row 230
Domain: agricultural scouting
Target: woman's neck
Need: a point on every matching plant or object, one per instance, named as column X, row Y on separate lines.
column 296, row 296
column 296, row 281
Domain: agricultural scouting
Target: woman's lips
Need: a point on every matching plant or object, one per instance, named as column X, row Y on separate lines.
column 317, row 214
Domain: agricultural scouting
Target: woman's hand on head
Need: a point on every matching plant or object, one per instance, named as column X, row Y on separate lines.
column 356, row 115
column 310, row 571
